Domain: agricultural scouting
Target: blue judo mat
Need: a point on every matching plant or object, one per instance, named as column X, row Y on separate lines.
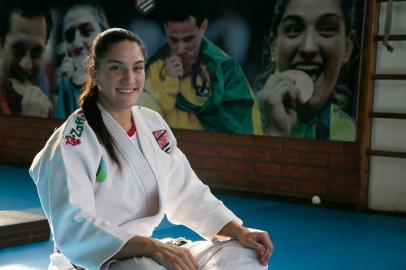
column 305, row 237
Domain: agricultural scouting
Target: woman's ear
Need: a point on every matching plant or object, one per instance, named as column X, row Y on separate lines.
column 349, row 46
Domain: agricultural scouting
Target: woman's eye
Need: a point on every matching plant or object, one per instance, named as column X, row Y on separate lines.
column 327, row 29
column 328, row 26
column 138, row 69
column 115, row 68
column 293, row 30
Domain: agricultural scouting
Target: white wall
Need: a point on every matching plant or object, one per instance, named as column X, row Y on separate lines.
column 387, row 188
column 387, row 181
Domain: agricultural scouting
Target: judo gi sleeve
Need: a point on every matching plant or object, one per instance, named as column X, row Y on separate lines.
column 63, row 175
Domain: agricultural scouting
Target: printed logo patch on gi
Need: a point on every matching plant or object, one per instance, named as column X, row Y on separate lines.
column 73, row 137
column 162, row 138
column 101, row 173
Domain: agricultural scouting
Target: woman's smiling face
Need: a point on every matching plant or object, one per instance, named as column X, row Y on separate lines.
column 311, row 37
column 120, row 76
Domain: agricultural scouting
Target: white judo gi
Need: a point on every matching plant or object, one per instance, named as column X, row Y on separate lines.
column 93, row 208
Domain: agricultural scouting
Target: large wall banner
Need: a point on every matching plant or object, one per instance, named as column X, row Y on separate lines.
column 286, row 68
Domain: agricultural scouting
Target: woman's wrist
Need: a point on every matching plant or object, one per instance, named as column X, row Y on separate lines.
column 154, row 249
column 233, row 229
column 137, row 246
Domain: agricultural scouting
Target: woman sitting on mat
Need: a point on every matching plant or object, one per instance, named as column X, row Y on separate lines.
column 110, row 173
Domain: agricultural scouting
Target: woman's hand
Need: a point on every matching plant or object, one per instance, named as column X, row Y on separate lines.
column 259, row 241
column 250, row 238
column 74, row 68
column 169, row 256
column 79, row 77
column 278, row 100
column 173, row 257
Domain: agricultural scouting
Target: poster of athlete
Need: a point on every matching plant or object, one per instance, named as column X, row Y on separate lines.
column 212, row 65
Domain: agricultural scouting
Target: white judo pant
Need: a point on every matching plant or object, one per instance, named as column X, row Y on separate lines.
column 224, row 255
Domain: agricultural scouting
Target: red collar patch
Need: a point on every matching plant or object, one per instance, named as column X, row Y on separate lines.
column 71, row 139
column 162, row 138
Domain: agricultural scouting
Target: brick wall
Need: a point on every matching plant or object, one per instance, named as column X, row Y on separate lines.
column 262, row 165
column 288, row 167
column 22, row 137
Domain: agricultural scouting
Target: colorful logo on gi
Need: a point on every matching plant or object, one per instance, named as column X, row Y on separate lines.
column 101, row 173
column 162, row 138
column 73, row 138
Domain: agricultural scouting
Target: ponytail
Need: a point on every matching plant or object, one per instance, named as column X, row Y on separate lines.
column 93, row 116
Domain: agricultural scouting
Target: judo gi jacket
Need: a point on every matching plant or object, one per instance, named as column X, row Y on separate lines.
column 94, row 207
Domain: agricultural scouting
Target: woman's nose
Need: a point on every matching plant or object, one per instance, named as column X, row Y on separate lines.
column 128, row 76
column 309, row 46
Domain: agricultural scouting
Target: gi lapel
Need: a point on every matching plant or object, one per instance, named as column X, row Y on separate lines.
column 130, row 152
column 156, row 157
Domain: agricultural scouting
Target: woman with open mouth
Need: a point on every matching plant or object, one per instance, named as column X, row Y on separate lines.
column 315, row 39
